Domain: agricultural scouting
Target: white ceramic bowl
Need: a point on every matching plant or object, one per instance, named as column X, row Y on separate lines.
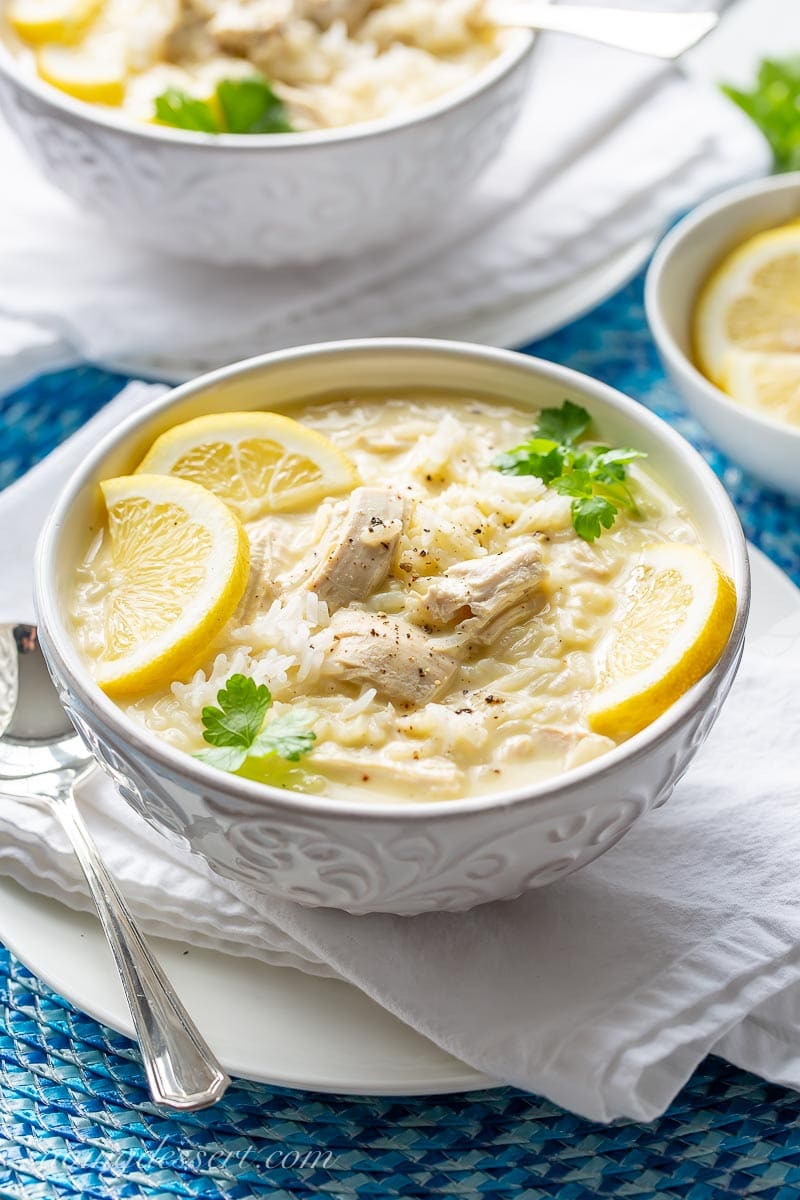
column 267, row 199
column 770, row 449
column 373, row 855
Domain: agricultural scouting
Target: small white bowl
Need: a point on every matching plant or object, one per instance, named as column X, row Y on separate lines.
column 268, row 199
column 768, row 448
column 375, row 855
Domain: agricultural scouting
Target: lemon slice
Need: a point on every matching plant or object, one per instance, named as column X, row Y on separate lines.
column 676, row 618
column 95, row 70
column 768, row 383
column 751, row 302
column 177, row 566
column 39, row 21
column 255, row 461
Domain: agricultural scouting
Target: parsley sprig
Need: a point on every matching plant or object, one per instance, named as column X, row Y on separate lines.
column 774, row 105
column 238, row 106
column 594, row 476
column 235, row 731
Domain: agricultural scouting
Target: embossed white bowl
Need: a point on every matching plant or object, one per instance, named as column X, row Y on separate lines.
column 767, row 447
column 267, row 199
column 374, row 856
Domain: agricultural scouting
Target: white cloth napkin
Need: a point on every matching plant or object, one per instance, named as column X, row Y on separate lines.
column 26, row 502
column 616, row 982
column 608, row 149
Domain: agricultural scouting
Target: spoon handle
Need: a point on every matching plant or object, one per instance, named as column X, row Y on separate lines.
column 659, row 34
column 181, row 1069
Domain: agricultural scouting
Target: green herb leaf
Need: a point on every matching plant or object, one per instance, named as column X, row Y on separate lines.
column 242, row 106
column 224, row 758
column 591, row 515
column 611, row 464
column 575, row 483
column 594, row 476
column 177, row 108
column 539, row 457
column 565, row 424
column 241, row 712
column 251, row 106
column 287, row 735
column 774, row 106
column 234, row 730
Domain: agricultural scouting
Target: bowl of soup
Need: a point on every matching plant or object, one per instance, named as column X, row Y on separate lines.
column 758, row 427
column 348, row 619
column 261, row 132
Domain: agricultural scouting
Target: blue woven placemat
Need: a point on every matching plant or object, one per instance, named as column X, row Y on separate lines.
column 75, row 1119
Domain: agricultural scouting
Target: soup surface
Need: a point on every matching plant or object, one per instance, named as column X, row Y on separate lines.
column 444, row 624
column 330, row 62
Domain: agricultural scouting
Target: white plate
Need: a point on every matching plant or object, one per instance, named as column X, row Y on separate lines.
column 522, row 320
column 527, row 319
column 272, row 1024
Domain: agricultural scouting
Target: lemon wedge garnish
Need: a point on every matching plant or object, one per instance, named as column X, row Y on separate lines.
column 677, row 614
column 94, row 71
column 39, row 21
column 257, row 462
column 178, row 566
column 751, row 303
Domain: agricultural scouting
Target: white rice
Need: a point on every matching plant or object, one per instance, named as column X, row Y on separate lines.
column 400, row 55
column 516, row 712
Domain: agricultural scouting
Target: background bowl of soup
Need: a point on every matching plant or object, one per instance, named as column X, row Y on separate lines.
column 272, row 198
column 362, row 851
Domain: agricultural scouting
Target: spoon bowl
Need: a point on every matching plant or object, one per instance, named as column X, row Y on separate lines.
column 41, row 760
column 36, row 735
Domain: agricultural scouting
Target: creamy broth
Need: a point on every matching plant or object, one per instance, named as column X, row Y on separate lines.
column 514, row 711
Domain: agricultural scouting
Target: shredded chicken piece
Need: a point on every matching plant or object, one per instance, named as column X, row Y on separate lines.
column 360, row 553
column 482, row 593
column 438, row 775
column 260, row 590
column 576, row 746
column 325, row 12
column 189, row 41
column 241, row 28
column 404, row 664
column 253, row 26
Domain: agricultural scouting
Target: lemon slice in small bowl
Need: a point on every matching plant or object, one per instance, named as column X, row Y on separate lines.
column 676, row 617
column 257, row 462
column 750, row 304
column 177, row 568
column 766, row 383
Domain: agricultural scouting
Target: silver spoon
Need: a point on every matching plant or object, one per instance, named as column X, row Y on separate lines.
column 42, row 759
column 659, row 34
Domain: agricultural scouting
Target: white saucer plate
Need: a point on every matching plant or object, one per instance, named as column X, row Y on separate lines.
column 276, row 1025
column 523, row 320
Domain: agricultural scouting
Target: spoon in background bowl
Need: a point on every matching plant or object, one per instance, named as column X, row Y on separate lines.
column 41, row 760
column 658, row 34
